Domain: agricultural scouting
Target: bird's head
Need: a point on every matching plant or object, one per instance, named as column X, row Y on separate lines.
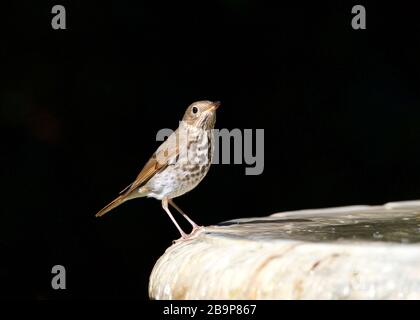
column 201, row 114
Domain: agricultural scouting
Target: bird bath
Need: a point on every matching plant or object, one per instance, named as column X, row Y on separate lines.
column 356, row 252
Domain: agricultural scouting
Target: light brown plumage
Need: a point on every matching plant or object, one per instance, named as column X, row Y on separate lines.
column 161, row 176
column 157, row 162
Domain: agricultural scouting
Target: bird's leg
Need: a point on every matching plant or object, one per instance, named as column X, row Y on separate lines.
column 165, row 207
column 194, row 225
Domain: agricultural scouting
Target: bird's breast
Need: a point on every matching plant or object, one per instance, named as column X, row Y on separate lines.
column 187, row 172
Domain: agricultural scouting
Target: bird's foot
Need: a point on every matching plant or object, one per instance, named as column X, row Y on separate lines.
column 194, row 233
column 196, row 228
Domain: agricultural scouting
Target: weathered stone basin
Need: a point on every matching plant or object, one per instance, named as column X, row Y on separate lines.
column 357, row 252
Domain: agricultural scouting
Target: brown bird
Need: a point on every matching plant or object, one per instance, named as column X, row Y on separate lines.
column 178, row 165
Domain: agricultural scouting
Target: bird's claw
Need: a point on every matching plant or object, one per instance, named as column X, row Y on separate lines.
column 194, row 233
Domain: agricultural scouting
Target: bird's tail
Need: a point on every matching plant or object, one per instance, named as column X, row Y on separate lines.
column 115, row 203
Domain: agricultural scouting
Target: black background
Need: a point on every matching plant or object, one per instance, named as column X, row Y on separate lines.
column 80, row 108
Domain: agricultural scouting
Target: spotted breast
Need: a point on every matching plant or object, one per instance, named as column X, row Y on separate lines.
column 188, row 168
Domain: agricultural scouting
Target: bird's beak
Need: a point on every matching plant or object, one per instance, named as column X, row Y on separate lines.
column 216, row 105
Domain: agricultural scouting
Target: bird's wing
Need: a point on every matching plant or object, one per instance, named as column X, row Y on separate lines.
column 165, row 155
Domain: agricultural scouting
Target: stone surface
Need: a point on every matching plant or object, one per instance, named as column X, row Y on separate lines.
column 357, row 252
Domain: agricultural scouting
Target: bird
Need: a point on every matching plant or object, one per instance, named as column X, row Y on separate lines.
column 179, row 164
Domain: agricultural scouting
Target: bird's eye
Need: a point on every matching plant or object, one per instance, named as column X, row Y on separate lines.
column 194, row 110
